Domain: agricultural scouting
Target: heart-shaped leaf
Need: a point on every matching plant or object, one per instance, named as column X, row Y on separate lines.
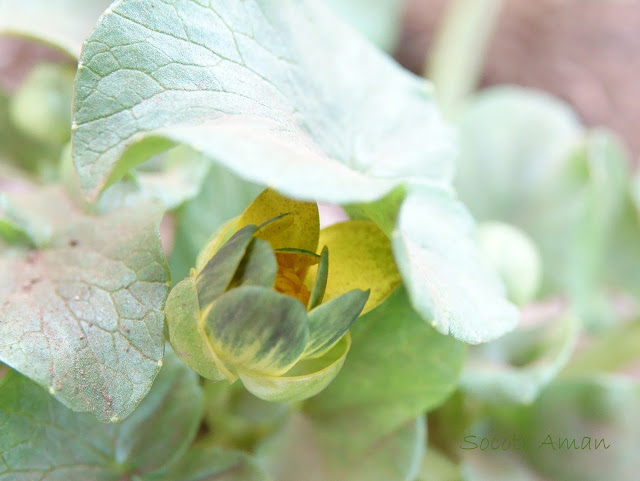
column 214, row 75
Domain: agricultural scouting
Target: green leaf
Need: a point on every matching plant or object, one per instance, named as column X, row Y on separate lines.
column 63, row 24
column 236, row 418
column 564, row 187
column 610, row 352
column 497, row 465
column 198, row 220
column 214, row 76
column 306, row 378
column 259, row 266
column 186, row 335
column 83, row 314
column 320, row 281
column 398, row 367
column 213, row 464
column 329, row 321
column 214, row 278
column 43, row 439
column 379, row 21
column 20, row 150
column 304, row 449
column 446, row 276
column 170, row 178
column 257, row 330
column 516, row 367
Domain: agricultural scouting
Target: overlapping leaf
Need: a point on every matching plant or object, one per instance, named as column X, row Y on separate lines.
column 214, row 75
column 64, row 24
column 398, row 367
column 81, row 313
column 43, row 439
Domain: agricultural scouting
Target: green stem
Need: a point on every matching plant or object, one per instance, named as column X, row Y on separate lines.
column 457, row 56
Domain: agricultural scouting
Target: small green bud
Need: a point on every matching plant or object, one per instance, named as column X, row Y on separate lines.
column 42, row 106
column 515, row 257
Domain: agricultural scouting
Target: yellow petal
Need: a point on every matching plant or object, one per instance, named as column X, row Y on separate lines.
column 299, row 230
column 360, row 257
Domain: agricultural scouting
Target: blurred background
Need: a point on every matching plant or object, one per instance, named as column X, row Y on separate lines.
column 582, row 51
column 539, row 167
column 585, row 52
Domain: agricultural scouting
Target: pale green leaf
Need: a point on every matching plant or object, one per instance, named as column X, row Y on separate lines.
column 379, row 21
column 456, row 58
column 515, row 258
column 563, row 186
column 83, row 314
column 214, row 76
column 304, row 449
column 214, row 278
column 170, row 178
column 42, row 439
column 448, row 280
column 329, row 321
column 63, row 24
column 257, row 330
column 398, row 367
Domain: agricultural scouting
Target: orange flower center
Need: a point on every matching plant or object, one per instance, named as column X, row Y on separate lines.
column 292, row 269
